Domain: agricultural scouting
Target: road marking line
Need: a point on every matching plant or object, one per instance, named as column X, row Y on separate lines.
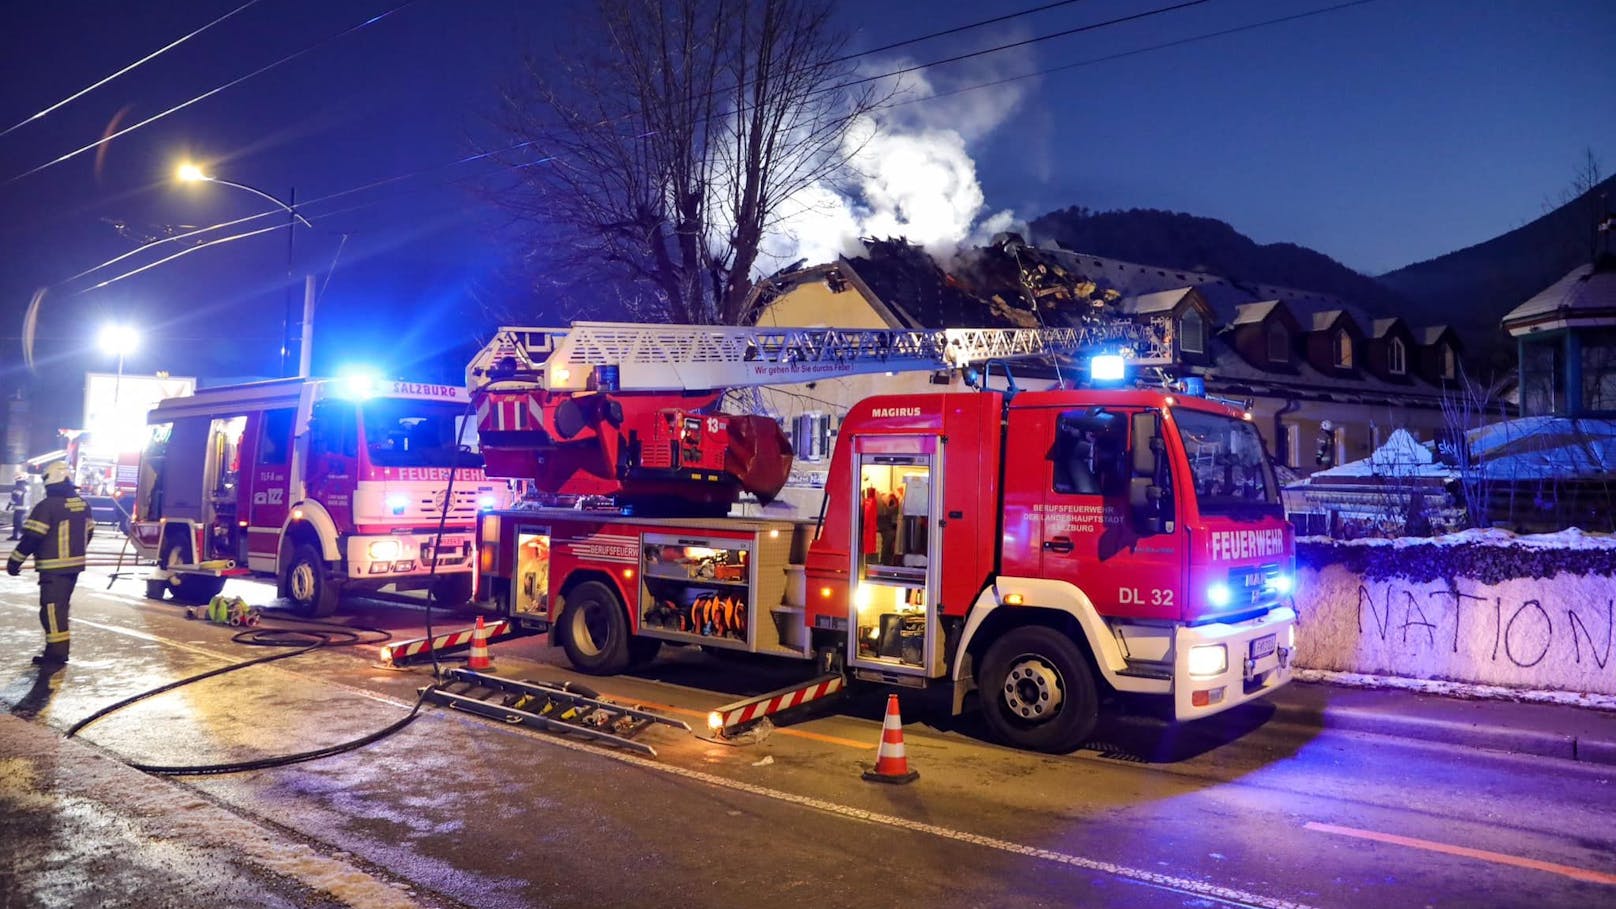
column 1138, row 875
column 1581, row 874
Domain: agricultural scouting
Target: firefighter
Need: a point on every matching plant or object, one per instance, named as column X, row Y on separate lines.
column 56, row 534
column 18, row 505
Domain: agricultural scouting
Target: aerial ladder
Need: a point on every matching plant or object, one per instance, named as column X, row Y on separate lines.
column 630, row 413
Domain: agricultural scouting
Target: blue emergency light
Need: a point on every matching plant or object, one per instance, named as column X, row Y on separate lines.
column 1107, row 367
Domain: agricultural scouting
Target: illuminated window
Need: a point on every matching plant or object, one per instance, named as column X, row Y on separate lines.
column 1343, row 349
column 1396, row 357
column 1192, row 333
column 1279, row 344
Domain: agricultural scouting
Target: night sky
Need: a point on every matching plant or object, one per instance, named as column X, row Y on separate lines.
column 1381, row 134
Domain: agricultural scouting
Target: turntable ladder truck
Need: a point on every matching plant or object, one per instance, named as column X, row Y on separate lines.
column 1046, row 549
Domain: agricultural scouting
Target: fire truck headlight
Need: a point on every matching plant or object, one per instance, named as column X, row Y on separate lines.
column 383, row 550
column 1282, row 584
column 1208, row 660
column 1218, row 594
column 397, row 503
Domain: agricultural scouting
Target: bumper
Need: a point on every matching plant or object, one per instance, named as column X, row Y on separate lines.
column 386, row 557
column 1258, row 661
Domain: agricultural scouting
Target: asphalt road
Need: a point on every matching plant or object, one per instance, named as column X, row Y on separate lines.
column 459, row 811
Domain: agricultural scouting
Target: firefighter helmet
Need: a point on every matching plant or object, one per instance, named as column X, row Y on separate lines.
column 57, row 472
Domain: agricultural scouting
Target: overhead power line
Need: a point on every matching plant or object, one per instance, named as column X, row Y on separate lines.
column 1133, row 53
column 149, row 57
column 956, row 30
column 210, row 93
column 999, row 48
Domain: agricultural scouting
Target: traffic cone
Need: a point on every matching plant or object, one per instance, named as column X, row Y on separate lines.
column 479, row 648
column 891, row 762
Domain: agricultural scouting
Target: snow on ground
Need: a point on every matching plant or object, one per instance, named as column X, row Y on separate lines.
column 1459, row 689
column 1571, row 538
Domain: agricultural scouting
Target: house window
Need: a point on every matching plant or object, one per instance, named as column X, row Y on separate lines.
column 1343, row 349
column 1450, row 363
column 1192, row 333
column 1396, row 357
column 1279, row 344
column 1293, row 445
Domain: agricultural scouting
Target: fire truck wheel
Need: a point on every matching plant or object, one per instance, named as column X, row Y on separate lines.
column 305, row 583
column 643, row 650
column 594, row 630
column 187, row 588
column 1038, row 691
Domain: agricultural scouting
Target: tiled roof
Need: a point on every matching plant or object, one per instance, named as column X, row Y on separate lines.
column 1382, row 327
column 1325, row 319
column 1430, row 334
column 1252, row 313
column 1589, row 290
column 1160, row 301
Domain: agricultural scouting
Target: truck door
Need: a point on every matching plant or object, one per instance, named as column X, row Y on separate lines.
column 268, row 486
column 894, row 612
column 333, row 466
column 1068, row 517
column 223, row 473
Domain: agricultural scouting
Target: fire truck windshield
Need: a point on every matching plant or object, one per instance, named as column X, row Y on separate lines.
column 1228, row 467
column 409, row 433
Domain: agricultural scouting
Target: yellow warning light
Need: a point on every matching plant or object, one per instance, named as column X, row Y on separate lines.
column 297, row 514
column 824, row 592
column 628, row 572
column 1014, row 599
column 774, row 534
column 715, row 720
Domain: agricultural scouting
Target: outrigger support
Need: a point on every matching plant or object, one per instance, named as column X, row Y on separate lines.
column 731, row 718
column 403, row 653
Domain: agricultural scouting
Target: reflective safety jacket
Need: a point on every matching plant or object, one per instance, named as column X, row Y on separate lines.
column 57, row 532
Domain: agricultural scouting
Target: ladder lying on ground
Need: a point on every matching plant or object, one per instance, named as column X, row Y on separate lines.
column 548, row 706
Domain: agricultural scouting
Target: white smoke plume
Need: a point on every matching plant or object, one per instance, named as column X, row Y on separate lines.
column 911, row 173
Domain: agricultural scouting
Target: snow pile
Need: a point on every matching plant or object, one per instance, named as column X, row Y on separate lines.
column 1481, row 607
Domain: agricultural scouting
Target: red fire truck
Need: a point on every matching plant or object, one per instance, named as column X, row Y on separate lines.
column 1046, row 549
column 324, row 484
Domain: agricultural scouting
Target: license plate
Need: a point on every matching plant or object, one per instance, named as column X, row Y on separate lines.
column 1262, row 647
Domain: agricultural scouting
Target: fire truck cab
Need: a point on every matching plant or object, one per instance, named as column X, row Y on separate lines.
column 326, row 485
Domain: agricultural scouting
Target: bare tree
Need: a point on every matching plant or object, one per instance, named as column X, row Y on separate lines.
column 1468, row 405
column 1587, row 198
column 667, row 135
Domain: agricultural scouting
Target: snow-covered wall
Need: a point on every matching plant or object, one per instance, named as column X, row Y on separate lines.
column 1487, row 607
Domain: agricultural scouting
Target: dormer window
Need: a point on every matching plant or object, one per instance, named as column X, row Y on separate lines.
column 1396, row 357
column 1342, row 349
column 1279, row 344
column 1450, row 363
column 1192, row 333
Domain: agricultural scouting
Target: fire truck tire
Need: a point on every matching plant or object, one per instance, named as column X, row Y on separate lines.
column 643, row 650
column 1038, row 691
column 307, row 585
column 187, row 588
column 594, row 630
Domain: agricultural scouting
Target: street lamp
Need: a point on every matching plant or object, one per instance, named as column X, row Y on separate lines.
column 119, row 341
column 191, row 173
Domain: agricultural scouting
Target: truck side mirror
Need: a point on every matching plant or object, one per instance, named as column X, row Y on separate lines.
column 1150, row 490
